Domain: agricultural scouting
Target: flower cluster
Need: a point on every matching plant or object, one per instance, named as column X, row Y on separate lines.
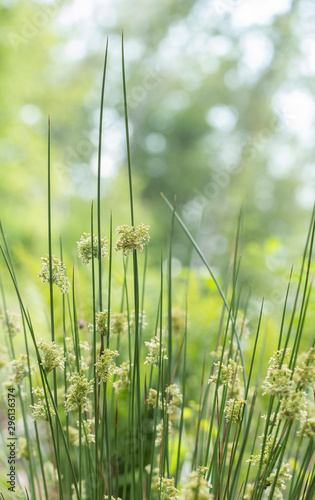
column 241, row 326
column 77, row 395
column 101, row 323
column 85, row 247
column 160, row 431
column 119, row 323
column 4, row 357
column 174, row 400
column 58, row 273
column 11, row 322
column 227, row 375
column 123, row 381
column 283, row 474
column 141, row 319
column 156, row 351
column 106, row 367
column 20, row 369
column 294, row 407
column 166, row 488
column 304, row 373
column 233, row 409
column 83, row 495
column 74, row 434
column 178, row 321
column 132, row 238
column 71, row 357
column 22, row 449
column 307, row 427
column 196, row 486
column 53, row 356
column 152, row 400
column 40, row 410
column 278, row 381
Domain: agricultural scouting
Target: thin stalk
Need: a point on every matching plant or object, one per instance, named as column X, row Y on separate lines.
column 99, row 169
column 136, row 292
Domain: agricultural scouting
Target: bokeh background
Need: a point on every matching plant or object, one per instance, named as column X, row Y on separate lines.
column 222, row 115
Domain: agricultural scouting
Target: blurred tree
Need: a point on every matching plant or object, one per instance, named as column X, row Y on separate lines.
column 221, row 112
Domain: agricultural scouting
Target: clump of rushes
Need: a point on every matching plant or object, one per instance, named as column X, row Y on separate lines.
column 52, row 357
column 132, row 238
column 58, row 276
column 77, row 395
column 106, row 367
column 85, row 247
column 11, row 322
column 40, row 410
column 155, row 352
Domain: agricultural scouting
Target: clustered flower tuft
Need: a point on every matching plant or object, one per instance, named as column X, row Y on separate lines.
column 119, row 323
column 53, row 356
column 196, row 486
column 304, row 373
column 294, row 407
column 166, row 488
column 85, row 247
column 123, row 381
column 132, row 238
column 283, row 475
column 160, row 431
column 77, row 395
column 11, row 322
column 152, row 400
column 20, row 369
column 22, row 449
column 40, row 410
column 278, row 381
column 227, row 375
column 178, row 321
column 233, row 409
column 74, row 434
column 174, row 400
column 155, row 352
column 58, row 277
column 4, row 356
column 106, row 367
column 101, row 323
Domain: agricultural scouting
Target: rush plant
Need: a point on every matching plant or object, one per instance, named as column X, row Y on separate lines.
column 110, row 408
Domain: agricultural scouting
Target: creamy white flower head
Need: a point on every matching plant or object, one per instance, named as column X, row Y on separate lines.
column 132, row 238
column 85, row 247
column 58, row 272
